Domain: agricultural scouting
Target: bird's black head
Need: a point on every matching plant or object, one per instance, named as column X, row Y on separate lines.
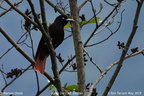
column 62, row 20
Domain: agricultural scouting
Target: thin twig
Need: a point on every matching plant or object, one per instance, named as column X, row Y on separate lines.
column 22, row 14
column 24, row 54
column 115, row 4
column 2, row 72
column 61, row 70
column 16, row 46
column 55, row 7
column 15, row 79
column 31, row 41
column 133, row 32
column 37, row 80
column 43, row 89
column 106, row 26
column 109, row 67
column 89, row 38
column 93, row 61
column 80, row 7
column 94, row 12
column 3, row 13
column 18, row 42
column 54, row 63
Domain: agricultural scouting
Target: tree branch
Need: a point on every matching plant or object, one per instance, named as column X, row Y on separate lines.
column 106, row 26
column 23, row 53
column 108, row 68
column 14, row 79
column 79, row 8
column 16, row 46
column 47, row 38
column 93, row 33
column 56, row 8
column 3, row 13
column 78, row 48
column 22, row 14
column 117, row 70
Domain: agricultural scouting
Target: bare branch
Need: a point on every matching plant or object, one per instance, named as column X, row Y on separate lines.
column 16, row 46
column 93, row 61
column 2, row 72
column 80, row 52
column 32, row 47
column 63, row 68
column 22, row 14
column 134, row 28
column 37, row 80
column 89, row 38
column 138, row 1
column 23, row 53
column 18, row 42
column 43, row 89
column 14, row 79
column 109, row 67
column 94, row 12
column 3, row 13
column 57, row 9
column 78, row 47
column 106, row 26
column 115, row 4
column 80, row 7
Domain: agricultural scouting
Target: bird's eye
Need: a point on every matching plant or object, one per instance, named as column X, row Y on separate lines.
column 63, row 18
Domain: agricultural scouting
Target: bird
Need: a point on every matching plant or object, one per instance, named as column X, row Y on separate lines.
column 56, row 32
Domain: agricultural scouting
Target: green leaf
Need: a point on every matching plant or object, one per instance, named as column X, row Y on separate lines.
column 51, row 87
column 93, row 20
column 71, row 88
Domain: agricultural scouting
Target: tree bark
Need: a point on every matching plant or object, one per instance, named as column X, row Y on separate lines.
column 78, row 47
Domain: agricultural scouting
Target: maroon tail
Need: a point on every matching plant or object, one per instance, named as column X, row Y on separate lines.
column 40, row 61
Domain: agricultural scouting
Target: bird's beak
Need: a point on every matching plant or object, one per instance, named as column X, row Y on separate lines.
column 69, row 20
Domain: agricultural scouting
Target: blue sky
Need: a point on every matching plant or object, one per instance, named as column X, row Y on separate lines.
column 131, row 76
